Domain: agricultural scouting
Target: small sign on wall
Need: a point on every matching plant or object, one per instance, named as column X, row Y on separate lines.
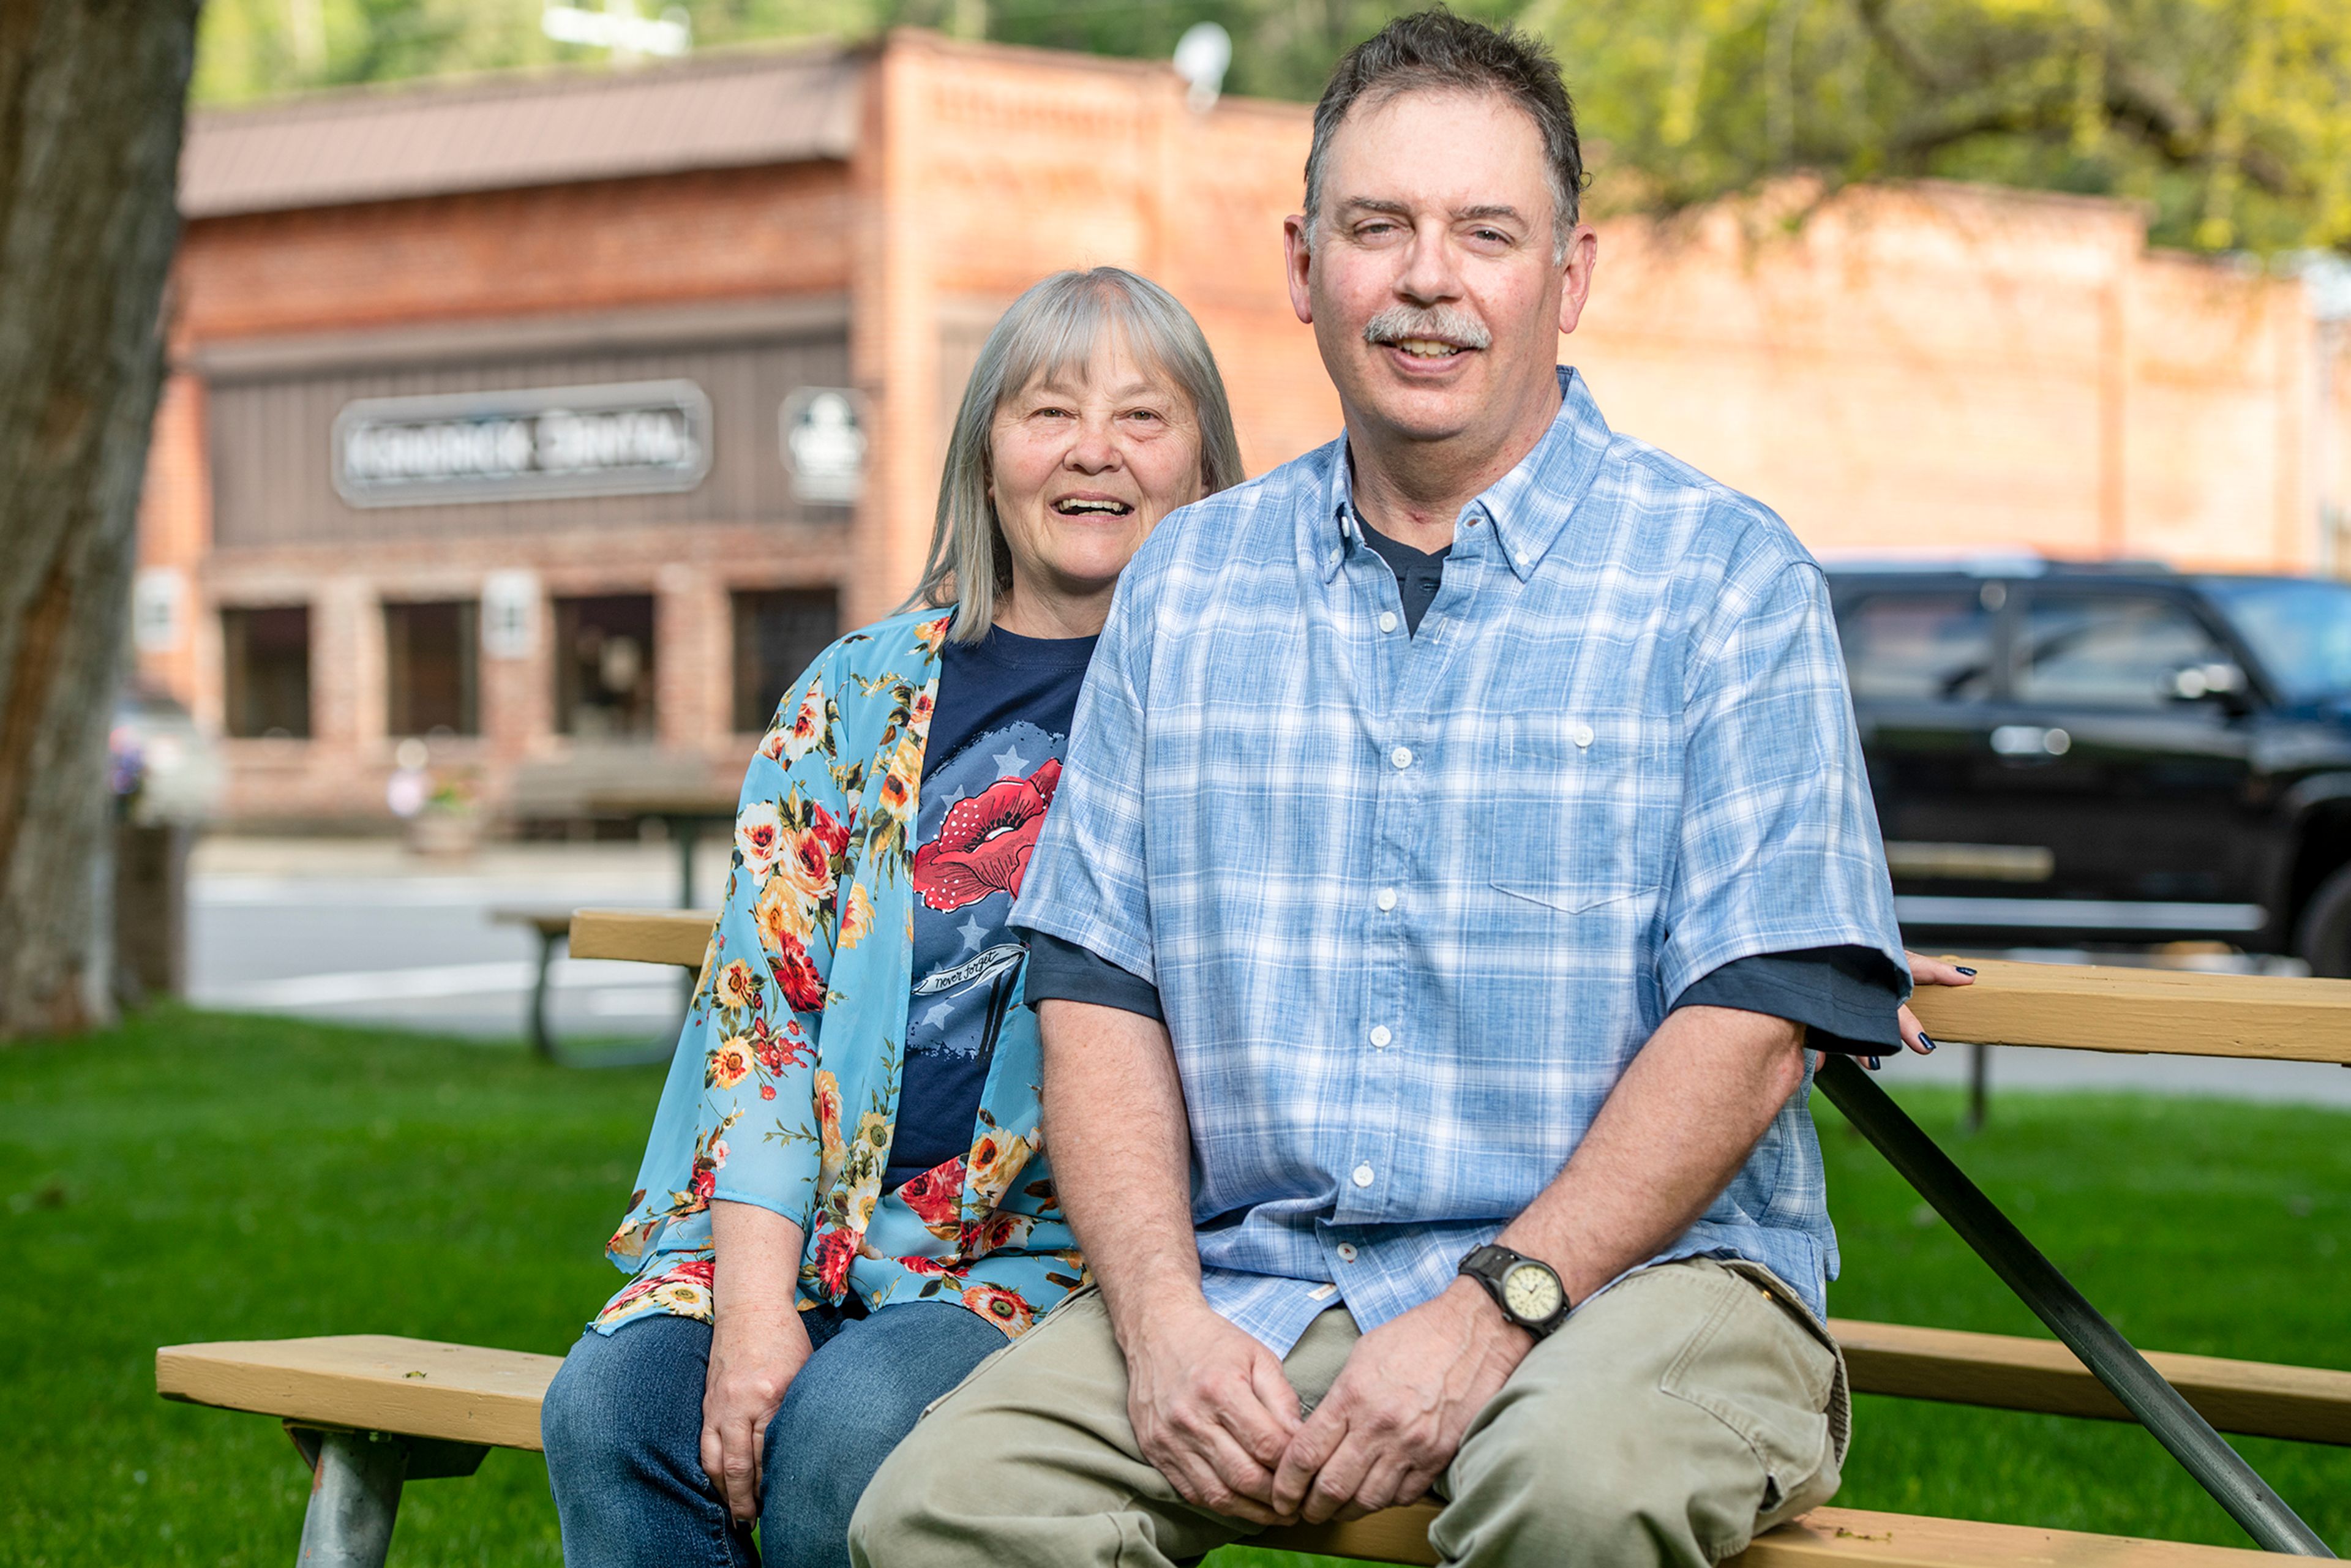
column 822, row 436
column 510, row 614
column 540, row 443
column 158, row 609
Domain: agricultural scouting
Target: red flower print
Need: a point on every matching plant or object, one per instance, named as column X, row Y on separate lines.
column 1001, row 1307
column 835, row 1249
column 985, row 842
column 935, row 1195
column 803, row 988
column 767, row 1092
column 705, row 1180
column 777, row 1050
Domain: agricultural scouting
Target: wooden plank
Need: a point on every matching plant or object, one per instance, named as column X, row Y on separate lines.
column 677, row 937
column 547, row 921
column 378, row 1383
column 2307, row 1403
column 2103, row 1007
column 1824, row 1537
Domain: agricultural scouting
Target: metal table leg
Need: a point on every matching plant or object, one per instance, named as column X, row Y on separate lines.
column 542, row 1034
column 2157, row 1405
column 354, row 1497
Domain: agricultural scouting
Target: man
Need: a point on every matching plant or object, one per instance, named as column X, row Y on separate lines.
column 1479, row 802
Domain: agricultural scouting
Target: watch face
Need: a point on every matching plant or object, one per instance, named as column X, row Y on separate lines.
column 1532, row 1293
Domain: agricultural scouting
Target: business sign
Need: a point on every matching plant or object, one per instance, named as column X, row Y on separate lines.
column 546, row 443
column 822, row 433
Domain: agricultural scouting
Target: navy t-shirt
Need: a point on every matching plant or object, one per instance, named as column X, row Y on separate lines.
column 989, row 771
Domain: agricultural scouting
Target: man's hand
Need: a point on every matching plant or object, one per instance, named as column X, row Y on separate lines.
column 1397, row 1412
column 1212, row 1409
column 754, row 1356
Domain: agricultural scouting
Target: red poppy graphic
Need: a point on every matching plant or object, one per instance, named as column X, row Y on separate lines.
column 985, row 842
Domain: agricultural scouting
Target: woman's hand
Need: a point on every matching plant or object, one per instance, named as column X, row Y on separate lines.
column 1926, row 971
column 754, row 1356
column 758, row 1345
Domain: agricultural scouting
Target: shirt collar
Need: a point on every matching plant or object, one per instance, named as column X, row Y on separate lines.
column 1528, row 506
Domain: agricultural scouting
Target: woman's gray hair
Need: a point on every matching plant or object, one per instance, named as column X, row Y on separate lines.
column 1056, row 326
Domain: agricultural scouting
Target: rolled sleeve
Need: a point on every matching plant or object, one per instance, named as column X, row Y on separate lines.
column 1847, row 997
column 1064, row 971
column 1779, row 848
column 1087, row 882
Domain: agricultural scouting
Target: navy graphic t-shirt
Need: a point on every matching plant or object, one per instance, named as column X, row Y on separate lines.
column 988, row 772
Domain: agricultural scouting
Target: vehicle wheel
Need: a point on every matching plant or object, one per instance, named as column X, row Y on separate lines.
column 2323, row 936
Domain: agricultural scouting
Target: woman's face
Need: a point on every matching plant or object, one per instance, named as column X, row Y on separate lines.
column 1083, row 465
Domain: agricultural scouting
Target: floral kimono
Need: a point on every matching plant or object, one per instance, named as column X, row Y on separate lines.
column 784, row 1090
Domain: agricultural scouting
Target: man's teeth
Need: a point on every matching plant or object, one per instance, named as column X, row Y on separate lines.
column 1427, row 348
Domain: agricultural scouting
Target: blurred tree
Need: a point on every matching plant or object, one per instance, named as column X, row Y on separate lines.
column 91, row 99
column 2232, row 118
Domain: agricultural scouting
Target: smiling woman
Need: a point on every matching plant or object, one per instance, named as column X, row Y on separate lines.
column 819, row 1251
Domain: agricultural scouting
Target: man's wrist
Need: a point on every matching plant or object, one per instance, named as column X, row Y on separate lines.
column 1485, row 1314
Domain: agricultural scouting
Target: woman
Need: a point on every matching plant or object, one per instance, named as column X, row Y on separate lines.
column 844, row 1206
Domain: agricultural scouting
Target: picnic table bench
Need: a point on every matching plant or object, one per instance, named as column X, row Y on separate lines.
column 369, row 1412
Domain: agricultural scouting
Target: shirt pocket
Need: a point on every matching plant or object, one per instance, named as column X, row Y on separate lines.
column 1581, row 809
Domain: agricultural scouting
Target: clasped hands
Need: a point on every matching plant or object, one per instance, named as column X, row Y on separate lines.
column 1215, row 1413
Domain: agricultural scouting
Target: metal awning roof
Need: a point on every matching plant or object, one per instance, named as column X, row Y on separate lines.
column 507, row 133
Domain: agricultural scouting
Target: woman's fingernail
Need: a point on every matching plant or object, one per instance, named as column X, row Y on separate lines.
column 1870, row 1063
column 1964, row 969
column 1928, row 1040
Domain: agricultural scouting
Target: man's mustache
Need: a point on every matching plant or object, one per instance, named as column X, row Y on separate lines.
column 1440, row 321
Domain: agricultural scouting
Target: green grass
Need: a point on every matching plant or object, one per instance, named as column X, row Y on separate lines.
column 194, row 1176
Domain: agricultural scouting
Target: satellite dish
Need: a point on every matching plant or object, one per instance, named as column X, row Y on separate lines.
column 1203, row 55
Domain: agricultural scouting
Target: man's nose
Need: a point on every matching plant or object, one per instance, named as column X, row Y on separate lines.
column 1429, row 275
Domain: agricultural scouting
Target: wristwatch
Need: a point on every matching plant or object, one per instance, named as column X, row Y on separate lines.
column 1527, row 1291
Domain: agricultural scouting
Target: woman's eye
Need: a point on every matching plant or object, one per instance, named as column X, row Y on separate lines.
column 1150, row 415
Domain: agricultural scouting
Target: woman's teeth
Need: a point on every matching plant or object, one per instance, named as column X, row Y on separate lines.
column 1073, row 508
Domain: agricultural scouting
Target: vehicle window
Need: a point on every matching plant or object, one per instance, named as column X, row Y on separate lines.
column 2111, row 651
column 1931, row 647
column 2301, row 631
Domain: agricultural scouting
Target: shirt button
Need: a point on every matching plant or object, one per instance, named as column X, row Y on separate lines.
column 1401, row 757
column 1380, row 1036
column 1582, row 735
column 1387, row 898
column 1364, row 1176
column 1387, row 620
column 1346, row 1251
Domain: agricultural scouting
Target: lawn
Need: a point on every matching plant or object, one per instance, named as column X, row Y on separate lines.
column 194, row 1176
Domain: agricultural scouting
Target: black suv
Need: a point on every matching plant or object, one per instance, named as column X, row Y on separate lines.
column 2113, row 754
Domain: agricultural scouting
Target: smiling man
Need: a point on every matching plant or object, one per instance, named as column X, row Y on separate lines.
column 1462, row 829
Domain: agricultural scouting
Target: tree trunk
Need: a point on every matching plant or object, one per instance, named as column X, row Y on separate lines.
column 92, row 96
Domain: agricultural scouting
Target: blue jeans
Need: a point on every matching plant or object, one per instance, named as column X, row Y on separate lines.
column 622, row 1425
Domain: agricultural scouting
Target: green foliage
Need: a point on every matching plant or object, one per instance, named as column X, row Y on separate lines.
column 192, row 1176
column 2231, row 119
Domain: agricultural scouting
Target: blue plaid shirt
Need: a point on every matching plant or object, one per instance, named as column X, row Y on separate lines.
column 1413, row 904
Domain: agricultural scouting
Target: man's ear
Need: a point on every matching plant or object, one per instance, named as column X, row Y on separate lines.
column 1297, row 251
column 1582, row 255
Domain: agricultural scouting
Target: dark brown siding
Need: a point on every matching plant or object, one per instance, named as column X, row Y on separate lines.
column 272, row 480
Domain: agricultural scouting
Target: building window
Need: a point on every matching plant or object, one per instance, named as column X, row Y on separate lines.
column 779, row 633
column 431, row 661
column 604, row 666
column 267, row 653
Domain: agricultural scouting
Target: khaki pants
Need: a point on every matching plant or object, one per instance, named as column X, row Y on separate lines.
column 1667, row 1421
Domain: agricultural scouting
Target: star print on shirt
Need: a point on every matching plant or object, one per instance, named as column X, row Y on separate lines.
column 973, row 934
column 940, row 1012
column 1010, row 763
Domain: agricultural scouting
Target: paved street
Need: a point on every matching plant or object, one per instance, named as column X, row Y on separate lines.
column 362, row 931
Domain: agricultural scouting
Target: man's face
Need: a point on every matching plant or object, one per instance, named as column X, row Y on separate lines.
column 1430, row 280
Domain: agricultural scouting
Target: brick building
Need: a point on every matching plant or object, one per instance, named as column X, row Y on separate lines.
column 558, row 419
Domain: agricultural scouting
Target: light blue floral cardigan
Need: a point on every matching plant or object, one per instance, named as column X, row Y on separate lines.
column 784, row 1090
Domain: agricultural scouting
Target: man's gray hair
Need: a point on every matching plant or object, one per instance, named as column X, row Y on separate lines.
column 1056, row 327
column 1435, row 50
